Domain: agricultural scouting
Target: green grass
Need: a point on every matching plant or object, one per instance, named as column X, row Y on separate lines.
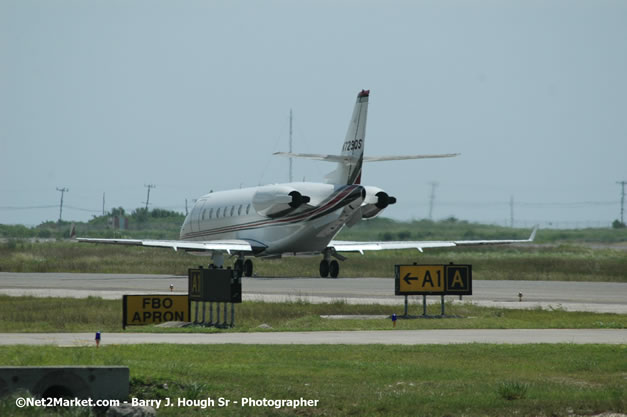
column 29, row 314
column 561, row 263
column 162, row 224
column 470, row 380
column 382, row 228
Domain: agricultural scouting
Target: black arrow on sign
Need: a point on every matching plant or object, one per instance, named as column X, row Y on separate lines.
column 409, row 279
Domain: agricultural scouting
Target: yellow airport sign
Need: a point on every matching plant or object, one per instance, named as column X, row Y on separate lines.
column 154, row 308
column 433, row 279
column 459, row 279
column 423, row 278
column 195, row 284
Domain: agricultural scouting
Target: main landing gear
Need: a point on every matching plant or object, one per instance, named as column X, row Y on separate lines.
column 328, row 266
column 244, row 267
column 331, row 268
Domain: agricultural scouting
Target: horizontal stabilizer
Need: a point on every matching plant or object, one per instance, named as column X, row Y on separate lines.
column 403, row 157
column 318, row 157
column 346, row 158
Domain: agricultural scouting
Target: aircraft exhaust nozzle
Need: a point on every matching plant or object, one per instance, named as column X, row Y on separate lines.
column 384, row 200
column 298, row 199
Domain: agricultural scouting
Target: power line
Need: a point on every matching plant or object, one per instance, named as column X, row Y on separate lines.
column 434, row 185
column 82, row 209
column 511, row 211
column 26, row 207
column 149, row 186
column 63, row 191
column 622, row 199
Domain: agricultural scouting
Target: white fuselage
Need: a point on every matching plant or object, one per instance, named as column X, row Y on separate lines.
column 263, row 216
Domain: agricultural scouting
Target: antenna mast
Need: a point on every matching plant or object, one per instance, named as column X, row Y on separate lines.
column 434, row 185
column 290, row 145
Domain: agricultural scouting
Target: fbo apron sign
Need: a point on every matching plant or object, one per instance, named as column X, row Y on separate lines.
column 157, row 308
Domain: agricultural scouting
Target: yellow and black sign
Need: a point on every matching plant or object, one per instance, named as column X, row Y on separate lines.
column 196, row 284
column 458, row 279
column 433, row 279
column 214, row 285
column 150, row 309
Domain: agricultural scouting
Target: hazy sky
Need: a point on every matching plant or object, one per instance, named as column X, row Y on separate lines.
column 107, row 96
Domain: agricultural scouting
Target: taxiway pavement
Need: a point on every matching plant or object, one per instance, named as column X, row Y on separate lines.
column 384, row 337
column 602, row 297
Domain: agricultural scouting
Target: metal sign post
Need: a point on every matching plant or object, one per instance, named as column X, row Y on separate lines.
column 215, row 285
column 424, row 305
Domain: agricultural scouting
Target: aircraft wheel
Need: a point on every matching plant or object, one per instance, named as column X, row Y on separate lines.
column 334, row 269
column 248, row 268
column 238, row 267
column 324, row 268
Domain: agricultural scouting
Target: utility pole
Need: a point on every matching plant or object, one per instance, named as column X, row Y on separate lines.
column 149, row 186
column 434, row 185
column 185, row 207
column 103, row 204
column 511, row 211
column 622, row 200
column 290, row 145
column 63, row 191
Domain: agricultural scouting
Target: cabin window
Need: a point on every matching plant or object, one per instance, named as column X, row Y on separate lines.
column 226, row 211
column 218, row 214
column 247, row 209
column 211, row 213
column 239, row 210
column 232, row 210
column 203, row 214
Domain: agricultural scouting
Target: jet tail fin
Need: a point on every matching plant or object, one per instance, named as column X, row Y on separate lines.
column 350, row 160
column 348, row 170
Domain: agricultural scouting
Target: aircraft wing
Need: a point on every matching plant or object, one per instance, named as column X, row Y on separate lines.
column 351, row 246
column 228, row 246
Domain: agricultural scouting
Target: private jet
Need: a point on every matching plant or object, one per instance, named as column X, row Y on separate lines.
column 296, row 218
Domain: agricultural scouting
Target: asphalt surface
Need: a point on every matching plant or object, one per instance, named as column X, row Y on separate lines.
column 575, row 296
column 606, row 297
column 391, row 337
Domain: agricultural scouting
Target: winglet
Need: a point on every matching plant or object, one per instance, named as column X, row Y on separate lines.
column 533, row 233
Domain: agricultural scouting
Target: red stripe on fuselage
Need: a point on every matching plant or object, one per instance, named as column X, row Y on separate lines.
column 333, row 200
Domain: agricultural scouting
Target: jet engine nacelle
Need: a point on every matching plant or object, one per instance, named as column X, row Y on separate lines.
column 376, row 200
column 277, row 200
column 298, row 199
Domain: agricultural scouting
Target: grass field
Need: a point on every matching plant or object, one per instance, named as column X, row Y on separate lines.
column 29, row 314
column 162, row 224
column 370, row 380
column 561, row 263
column 469, row 380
